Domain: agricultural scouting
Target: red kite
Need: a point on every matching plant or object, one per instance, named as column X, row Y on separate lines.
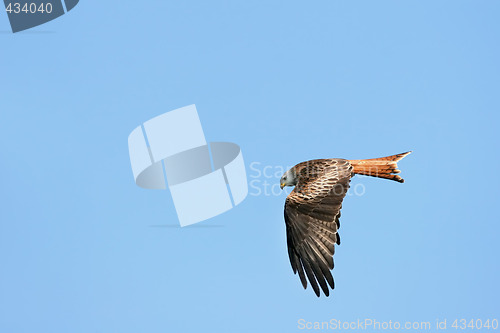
column 312, row 211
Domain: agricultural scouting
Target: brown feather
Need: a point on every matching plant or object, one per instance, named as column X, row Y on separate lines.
column 383, row 167
column 312, row 213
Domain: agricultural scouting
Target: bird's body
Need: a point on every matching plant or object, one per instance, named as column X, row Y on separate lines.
column 312, row 211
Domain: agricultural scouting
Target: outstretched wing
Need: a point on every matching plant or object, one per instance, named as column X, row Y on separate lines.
column 312, row 212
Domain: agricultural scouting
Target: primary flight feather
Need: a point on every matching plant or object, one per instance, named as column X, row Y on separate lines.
column 312, row 211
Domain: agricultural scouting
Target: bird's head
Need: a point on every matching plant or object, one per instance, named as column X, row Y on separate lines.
column 289, row 178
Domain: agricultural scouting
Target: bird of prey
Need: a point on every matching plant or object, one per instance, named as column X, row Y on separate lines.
column 312, row 211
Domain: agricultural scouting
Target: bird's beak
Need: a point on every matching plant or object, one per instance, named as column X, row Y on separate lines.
column 282, row 185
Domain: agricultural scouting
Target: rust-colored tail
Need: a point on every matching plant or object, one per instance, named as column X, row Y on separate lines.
column 383, row 167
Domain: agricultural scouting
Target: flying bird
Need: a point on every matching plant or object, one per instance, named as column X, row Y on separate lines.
column 312, row 211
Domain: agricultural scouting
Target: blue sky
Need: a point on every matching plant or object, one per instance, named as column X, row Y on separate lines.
column 83, row 249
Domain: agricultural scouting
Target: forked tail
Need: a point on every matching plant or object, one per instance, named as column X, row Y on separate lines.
column 383, row 167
